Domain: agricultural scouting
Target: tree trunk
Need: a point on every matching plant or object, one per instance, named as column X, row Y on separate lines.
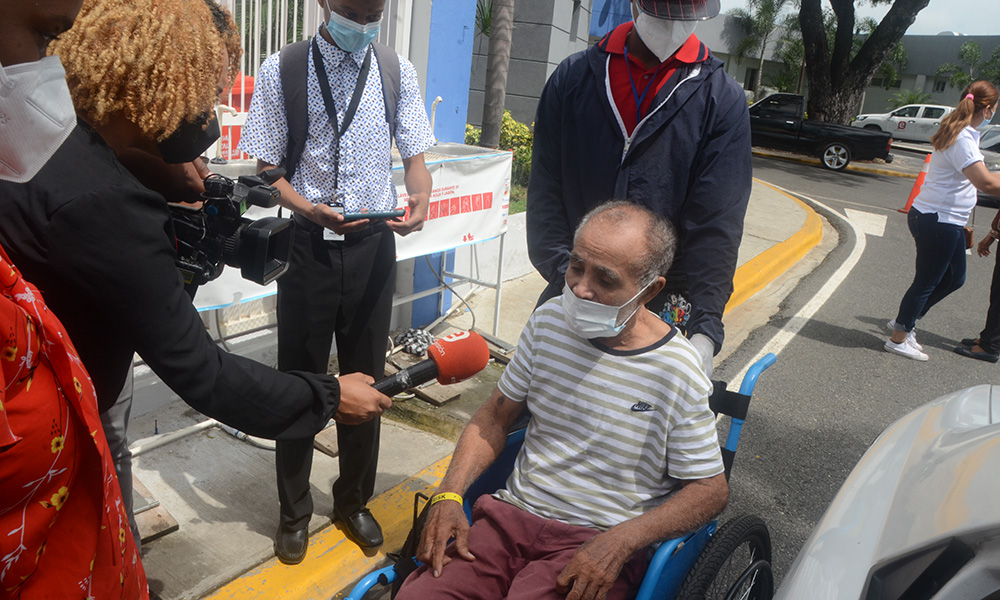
column 836, row 80
column 498, row 62
column 760, row 70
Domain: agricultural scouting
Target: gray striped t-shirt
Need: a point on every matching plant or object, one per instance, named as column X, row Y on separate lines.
column 611, row 433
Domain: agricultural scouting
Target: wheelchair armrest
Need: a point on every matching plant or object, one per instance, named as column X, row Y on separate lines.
column 382, row 576
column 671, row 562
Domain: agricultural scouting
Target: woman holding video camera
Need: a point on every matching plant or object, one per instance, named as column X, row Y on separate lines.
column 144, row 75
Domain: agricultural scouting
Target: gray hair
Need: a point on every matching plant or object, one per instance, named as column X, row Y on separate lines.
column 661, row 238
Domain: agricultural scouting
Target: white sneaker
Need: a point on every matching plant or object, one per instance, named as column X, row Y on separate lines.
column 911, row 337
column 905, row 349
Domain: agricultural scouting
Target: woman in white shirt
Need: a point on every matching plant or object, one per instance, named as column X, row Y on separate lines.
column 940, row 212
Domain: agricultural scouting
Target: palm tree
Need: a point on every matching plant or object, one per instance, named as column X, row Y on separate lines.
column 501, row 29
column 904, row 97
column 759, row 21
column 484, row 16
column 791, row 51
column 991, row 68
column 971, row 56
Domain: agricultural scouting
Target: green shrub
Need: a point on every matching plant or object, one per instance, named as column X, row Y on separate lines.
column 514, row 136
column 472, row 135
column 517, row 137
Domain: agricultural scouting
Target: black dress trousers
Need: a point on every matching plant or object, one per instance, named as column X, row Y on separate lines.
column 341, row 288
column 989, row 338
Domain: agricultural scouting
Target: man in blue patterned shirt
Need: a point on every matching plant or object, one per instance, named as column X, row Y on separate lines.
column 341, row 273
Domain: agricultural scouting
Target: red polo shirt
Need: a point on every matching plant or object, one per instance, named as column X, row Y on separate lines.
column 692, row 52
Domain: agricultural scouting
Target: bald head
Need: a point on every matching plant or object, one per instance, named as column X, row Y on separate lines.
column 647, row 241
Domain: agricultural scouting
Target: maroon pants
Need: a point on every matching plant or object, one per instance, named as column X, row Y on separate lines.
column 518, row 556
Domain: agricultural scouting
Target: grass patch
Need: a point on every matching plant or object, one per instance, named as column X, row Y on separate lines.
column 518, row 199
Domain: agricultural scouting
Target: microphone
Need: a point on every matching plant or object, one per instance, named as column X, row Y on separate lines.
column 453, row 358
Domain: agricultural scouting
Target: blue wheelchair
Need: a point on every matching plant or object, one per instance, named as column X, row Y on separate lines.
column 731, row 562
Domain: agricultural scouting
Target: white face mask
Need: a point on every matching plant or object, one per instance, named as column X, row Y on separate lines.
column 36, row 116
column 663, row 36
column 592, row 319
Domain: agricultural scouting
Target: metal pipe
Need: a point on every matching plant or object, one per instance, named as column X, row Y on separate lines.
column 434, row 106
column 499, row 288
column 460, row 279
column 168, row 438
column 417, row 296
column 441, row 269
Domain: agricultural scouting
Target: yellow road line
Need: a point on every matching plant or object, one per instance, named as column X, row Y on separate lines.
column 333, row 562
column 764, row 268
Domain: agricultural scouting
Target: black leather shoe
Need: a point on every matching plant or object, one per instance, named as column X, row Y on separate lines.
column 985, row 356
column 970, row 342
column 362, row 529
column 290, row 546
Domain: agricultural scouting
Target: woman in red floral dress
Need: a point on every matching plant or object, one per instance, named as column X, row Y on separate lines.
column 63, row 531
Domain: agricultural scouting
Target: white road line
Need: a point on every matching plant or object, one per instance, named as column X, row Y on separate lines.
column 863, row 205
column 870, row 223
column 781, row 339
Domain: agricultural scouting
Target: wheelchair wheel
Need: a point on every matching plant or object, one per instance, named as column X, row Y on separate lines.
column 735, row 564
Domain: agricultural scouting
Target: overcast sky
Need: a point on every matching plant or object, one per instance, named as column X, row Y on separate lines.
column 971, row 17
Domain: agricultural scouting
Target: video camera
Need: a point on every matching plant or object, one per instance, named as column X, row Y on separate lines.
column 217, row 234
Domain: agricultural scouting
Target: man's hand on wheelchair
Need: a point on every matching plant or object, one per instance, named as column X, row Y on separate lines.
column 445, row 520
column 594, row 568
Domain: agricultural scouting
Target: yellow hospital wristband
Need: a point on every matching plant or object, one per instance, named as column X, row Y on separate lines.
column 446, row 496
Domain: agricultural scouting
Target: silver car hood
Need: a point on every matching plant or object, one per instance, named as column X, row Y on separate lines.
column 930, row 477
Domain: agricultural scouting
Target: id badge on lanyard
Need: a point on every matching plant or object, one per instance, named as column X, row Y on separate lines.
column 330, row 235
column 331, row 111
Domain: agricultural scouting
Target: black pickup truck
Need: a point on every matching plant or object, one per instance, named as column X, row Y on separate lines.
column 776, row 122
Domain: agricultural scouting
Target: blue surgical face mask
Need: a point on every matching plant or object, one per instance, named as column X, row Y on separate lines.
column 349, row 35
column 986, row 121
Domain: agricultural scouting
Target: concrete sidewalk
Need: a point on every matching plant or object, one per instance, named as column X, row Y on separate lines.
column 221, row 490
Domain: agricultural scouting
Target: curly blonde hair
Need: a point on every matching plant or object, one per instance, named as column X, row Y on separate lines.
column 155, row 62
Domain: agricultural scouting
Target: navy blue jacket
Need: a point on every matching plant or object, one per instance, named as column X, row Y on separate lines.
column 689, row 160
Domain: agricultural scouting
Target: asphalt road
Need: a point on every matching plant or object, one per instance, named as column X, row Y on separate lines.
column 834, row 388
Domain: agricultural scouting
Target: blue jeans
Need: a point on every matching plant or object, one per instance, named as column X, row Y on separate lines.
column 940, row 266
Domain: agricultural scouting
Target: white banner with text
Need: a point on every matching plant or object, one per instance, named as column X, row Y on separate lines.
column 469, row 204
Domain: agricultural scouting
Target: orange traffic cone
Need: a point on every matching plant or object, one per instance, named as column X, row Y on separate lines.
column 917, row 184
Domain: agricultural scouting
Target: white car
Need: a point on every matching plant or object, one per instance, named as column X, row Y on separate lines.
column 913, row 122
column 917, row 517
column 989, row 143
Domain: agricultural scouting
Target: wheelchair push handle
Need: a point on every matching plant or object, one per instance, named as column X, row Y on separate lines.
column 750, row 379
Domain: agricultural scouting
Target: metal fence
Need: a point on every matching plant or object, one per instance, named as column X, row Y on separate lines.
column 266, row 26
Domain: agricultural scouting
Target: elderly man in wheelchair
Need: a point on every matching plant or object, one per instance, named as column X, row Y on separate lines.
column 620, row 452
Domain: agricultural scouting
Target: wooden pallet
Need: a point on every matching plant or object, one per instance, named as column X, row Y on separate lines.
column 153, row 519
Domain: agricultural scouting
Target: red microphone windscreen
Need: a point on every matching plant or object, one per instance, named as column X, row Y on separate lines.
column 459, row 356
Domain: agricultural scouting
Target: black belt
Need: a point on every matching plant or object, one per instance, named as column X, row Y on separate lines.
column 315, row 229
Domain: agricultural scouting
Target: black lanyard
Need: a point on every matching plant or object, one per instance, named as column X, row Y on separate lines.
column 331, row 108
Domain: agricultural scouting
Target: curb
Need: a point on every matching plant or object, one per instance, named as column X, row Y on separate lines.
column 815, row 161
column 764, row 268
column 333, row 563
